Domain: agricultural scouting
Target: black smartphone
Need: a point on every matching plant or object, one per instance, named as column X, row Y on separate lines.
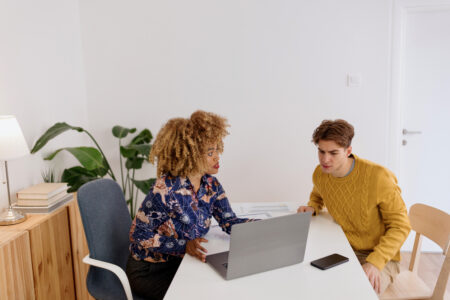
column 329, row 261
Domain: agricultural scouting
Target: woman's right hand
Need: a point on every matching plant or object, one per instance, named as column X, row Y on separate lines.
column 302, row 209
column 194, row 248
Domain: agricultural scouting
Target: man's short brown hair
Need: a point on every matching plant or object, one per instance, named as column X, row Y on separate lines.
column 339, row 131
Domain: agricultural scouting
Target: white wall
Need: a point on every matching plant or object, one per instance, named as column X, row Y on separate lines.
column 275, row 69
column 41, row 80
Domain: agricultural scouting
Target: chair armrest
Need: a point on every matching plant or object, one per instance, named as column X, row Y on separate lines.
column 113, row 268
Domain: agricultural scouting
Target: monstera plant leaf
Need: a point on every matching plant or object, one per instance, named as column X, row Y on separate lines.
column 145, row 136
column 121, row 132
column 77, row 176
column 134, row 163
column 135, row 150
column 144, row 185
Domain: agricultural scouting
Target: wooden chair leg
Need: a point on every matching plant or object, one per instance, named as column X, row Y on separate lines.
column 415, row 255
column 441, row 284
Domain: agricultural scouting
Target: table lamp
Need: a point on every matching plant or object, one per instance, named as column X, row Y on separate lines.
column 12, row 145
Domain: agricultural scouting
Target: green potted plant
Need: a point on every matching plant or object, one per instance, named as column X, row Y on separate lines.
column 94, row 164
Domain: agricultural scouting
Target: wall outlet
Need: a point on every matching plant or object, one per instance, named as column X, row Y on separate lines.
column 354, row 80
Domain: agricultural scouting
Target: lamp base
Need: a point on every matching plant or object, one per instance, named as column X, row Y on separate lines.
column 11, row 217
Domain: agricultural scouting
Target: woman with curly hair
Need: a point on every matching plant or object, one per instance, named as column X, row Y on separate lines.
column 176, row 213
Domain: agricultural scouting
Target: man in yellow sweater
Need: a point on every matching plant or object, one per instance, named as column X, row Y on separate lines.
column 363, row 198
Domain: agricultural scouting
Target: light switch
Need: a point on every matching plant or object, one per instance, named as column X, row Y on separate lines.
column 353, row 80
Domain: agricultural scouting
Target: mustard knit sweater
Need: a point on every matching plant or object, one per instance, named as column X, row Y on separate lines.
column 368, row 206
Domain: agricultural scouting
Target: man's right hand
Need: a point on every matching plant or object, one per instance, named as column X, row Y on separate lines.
column 194, row 248
column 302, row 209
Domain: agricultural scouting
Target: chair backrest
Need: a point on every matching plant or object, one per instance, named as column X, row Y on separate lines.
column 106, row 222
column 432, row 223
column 435, row 225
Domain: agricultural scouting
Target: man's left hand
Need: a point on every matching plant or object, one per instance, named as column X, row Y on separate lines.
column 374, row 276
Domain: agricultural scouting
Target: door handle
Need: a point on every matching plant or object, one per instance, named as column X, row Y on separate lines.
column 405, row 132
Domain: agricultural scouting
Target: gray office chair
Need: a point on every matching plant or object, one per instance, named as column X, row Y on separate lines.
column 106, row 223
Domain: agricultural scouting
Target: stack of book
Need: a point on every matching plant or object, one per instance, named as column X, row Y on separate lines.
column 42, row 198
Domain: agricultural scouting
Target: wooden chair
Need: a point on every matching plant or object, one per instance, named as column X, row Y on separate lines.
column 435, row 225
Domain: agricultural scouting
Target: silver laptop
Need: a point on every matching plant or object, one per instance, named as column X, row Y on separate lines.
column 263, row 245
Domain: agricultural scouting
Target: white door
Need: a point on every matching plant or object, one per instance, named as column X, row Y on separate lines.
column 424, row 93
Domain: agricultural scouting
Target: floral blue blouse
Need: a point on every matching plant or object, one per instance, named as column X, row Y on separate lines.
column 172, row 214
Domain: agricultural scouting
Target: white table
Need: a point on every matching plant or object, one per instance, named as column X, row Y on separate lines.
column 197, row 280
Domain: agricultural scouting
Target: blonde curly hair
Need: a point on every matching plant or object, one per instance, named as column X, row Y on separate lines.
column 181, row 144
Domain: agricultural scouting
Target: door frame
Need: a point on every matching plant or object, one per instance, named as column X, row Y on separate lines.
column 400, row 11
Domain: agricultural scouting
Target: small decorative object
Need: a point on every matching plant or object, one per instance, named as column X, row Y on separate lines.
column 12, row 146
column 50, row 175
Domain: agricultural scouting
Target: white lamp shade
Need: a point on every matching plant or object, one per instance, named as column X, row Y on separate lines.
column 12, row 141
